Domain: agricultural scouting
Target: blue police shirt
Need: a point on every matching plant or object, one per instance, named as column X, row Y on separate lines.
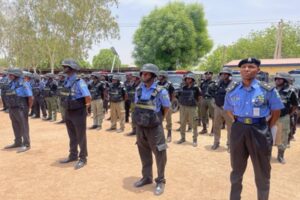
column 162, row 98
column 23, row 88
column 79, row 89
column 254, row 101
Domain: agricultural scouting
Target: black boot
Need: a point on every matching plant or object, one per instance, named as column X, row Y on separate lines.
column 204, row 130
column 133, row 132
column 169, row 137
column 280, row 156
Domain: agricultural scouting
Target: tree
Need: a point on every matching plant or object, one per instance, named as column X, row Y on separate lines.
column 173, row 35
column 104, row 60
column 260, row 44
column 57, row 29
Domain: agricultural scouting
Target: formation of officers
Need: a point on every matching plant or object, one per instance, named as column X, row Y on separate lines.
column 257, row 115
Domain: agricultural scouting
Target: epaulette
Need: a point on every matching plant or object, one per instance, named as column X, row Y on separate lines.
column 232, row 86
column 266, row 85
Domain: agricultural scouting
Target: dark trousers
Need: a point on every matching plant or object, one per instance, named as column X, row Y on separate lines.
column 4, row 102
column 127, row 110
column 39, row 104
column 152, row 140
column 19, row 120
column 76, row 127
column 256, row 141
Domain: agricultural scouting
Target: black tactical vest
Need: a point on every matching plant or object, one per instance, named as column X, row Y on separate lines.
column 285, row 95
column 13, row 100
column 66, row 98
column 116, row 93
column 145, row 114
column 187, row 96
column 220, row 93
column 96, row 91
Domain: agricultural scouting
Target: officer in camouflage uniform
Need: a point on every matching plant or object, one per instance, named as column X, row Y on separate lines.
column 127, row 85
column 76, row 101
column 60, row 86
column 163, row 81
column 151, row 105
column 117, row 96
column 19, row 100
column 4, row 85
column 131, row 95
column 207, row 109
column 49, row 93
column 188, row 98
column 97, row 89
column 289, row 99
column 38, row 100
column 220, row 115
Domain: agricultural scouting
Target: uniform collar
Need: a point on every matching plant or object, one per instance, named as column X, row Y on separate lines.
column 73, row 77
column 253, row 85
column 153, row 86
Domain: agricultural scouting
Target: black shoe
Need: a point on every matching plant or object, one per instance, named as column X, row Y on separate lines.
column 189, row 129
column 80, row 164
column 181, row 141
column 111, row 129
column 47, row 119
column 131, row 133
column 67, row 160
column 204, row 131
column 23, row 149
column 215, row 146
column 14, row 145
column 142, row 182
column 94, row 127
column 35, row 117
column 178, row 129
column 159, row 189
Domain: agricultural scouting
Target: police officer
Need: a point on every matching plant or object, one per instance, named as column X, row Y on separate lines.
column 249, row 103
column 289, row 99
column 131, row 95
column 4, row 85
column 163, row 81
column 188, row 98
column 60, row 86
column 117, row 96
column 19, row 99
column 151, row 106
column 220, row 115
column 28, row 77
column 207, row 109
column 38, row 100
column 294, row 115
column 76, row 101
column 127, row 84
column 104, row 79
column 97, row 89
column 49, row 92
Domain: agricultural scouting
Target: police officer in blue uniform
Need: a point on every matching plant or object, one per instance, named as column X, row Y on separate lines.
column 19, row 100
column 255, row 107
column 76, row 101
column 151, row 106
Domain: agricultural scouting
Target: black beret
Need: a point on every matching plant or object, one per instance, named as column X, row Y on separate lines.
column 250, row 60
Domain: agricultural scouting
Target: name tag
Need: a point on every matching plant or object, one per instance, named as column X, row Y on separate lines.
column 256, row 112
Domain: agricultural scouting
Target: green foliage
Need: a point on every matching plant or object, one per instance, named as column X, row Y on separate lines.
column 260, row 44
column 41, row 31
column 84, row 64
column 173, row 35
column 104, row 60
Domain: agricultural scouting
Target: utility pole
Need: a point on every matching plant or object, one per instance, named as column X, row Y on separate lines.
column 278, row 47
column 115, row 56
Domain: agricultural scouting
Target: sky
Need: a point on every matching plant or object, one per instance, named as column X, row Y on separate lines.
column 228, row 20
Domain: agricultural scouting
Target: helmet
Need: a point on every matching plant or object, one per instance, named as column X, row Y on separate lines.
column 15, row 71
column 150, row 68
column 50, row 75
column 36, row 76
column 163, row 73
column 190, row 75
column 116, row 77
column 27, row 74
column 208, row 72
column 283, row 75
column 136, row 74
column 96, row 74
column 226, row 70
column 62, row 74
column 71, row 63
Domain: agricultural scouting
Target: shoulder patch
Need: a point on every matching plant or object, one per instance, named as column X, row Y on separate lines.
column 266, row 85
column 232, row 86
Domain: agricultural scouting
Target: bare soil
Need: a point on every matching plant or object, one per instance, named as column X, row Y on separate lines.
column 114, row 165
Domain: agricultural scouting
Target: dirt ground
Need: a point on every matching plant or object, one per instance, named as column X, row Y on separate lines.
column 114, row 165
